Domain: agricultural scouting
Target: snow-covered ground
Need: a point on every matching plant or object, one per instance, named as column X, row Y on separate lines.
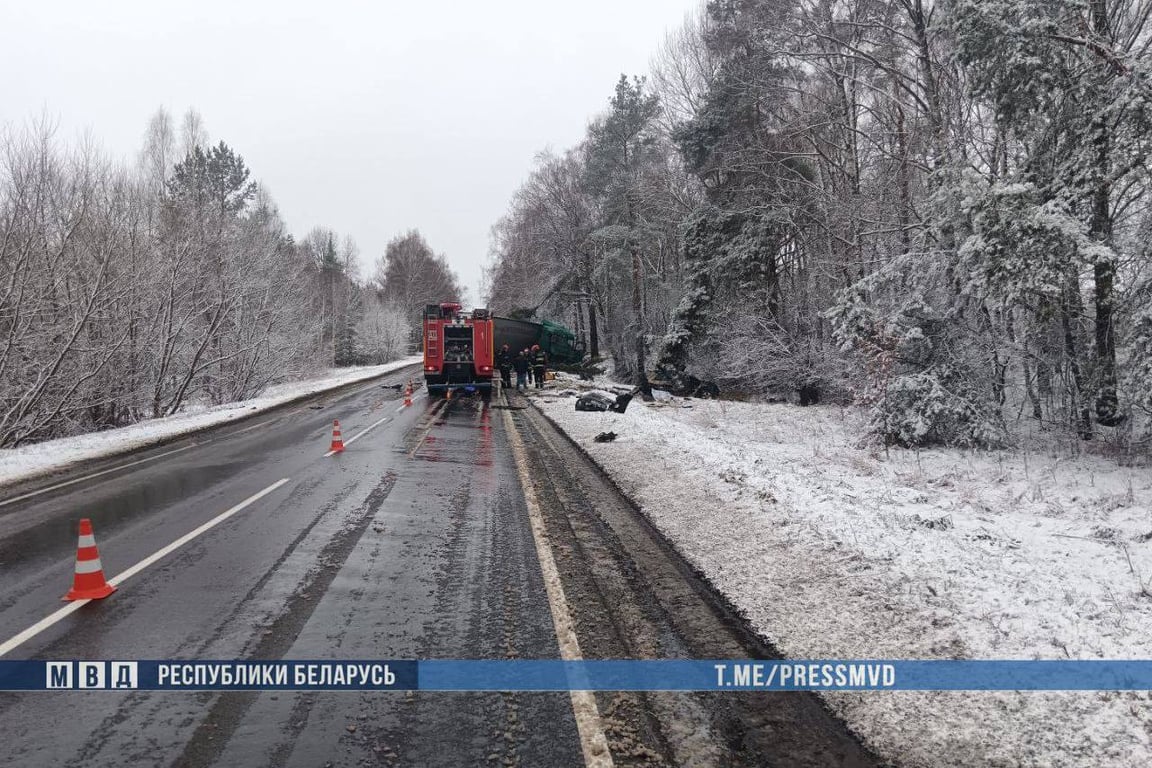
column 836, row 551
column 42, row 458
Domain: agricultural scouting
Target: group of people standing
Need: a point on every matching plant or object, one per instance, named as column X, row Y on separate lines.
column 530, row 366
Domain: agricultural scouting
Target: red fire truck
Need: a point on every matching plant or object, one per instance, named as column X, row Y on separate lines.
column 458, row 350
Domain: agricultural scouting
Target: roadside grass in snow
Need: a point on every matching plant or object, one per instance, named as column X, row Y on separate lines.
column 836, row 551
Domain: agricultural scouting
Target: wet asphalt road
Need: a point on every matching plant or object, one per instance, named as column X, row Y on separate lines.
column 413, row 543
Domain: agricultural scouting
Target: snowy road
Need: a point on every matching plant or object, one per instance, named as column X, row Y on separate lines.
column 413, row 543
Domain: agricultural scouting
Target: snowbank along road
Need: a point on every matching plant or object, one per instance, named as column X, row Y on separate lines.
column 444, row 530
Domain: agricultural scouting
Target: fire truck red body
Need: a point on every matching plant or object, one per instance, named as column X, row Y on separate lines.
column 458, row 350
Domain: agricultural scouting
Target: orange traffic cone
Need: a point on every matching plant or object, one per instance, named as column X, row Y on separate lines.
column 408, row 394
column 337, row 440
column 88, row 582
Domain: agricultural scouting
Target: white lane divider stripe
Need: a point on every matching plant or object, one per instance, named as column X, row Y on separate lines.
column 67, row 483
column 360, row 434
column 593, row 742
column 165, row 551
column 40, row 626
column 120, row 578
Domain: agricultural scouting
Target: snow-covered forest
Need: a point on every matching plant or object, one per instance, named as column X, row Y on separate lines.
column 936, row 208
column 131, row 289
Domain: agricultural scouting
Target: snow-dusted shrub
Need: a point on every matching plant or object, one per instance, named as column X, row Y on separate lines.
column 932, row 408
column 755, row 353
column 924, row 377
column 1022, row 248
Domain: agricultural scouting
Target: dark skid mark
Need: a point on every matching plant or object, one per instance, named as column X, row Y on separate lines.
column 301, row 711
column 489, row 602
column 219, row 724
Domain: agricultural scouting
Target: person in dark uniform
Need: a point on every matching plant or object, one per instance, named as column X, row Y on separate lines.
column 523, row 364
column 528, row 356
column 504, row 363
column 539, row 363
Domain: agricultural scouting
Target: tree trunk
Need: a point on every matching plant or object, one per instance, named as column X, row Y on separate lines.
column 593, row 330
column 1070, row 309
column 1107, row 402
column 638, row 311
column 1104, row 270
column 919, row 20
column 587, row 287
column 578, row 318
column 902, row 175
column 1026, row 368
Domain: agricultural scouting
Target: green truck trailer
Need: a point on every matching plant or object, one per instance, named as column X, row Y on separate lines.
column 557, row 341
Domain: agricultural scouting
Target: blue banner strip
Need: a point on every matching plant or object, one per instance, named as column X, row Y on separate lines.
column 549, row 675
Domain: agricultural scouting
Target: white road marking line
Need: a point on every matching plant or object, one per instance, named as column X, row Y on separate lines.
column 360, row 434
column 165, row 551
column 591, row 729
column 67, row 483
column 40, row 626
column 123, row 576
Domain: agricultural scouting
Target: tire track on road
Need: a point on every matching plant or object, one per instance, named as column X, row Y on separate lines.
column 212, row 735
column 634, row 596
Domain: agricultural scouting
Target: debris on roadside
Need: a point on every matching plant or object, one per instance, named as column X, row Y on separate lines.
column 686, row 385
column 593, row 401
column 605, row 437
column 602, row 401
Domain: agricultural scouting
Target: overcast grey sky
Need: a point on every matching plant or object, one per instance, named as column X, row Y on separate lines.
column 369, row 117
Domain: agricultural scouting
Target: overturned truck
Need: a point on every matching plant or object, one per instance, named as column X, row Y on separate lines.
column 557, row 341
